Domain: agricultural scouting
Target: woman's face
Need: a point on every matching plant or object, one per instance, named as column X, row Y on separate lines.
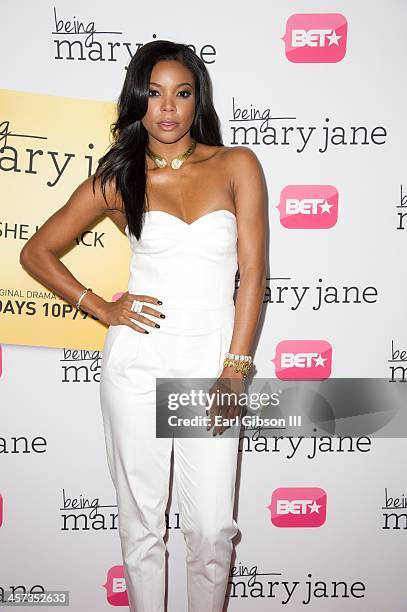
column 171, row 100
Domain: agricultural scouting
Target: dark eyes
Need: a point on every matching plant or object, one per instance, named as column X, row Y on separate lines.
column 152, row 93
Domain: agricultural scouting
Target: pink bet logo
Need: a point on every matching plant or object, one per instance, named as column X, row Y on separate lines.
column 298, row 507
column 117, row 296
column 315, row 37
column 303, row 360
column 115, row 585
column 308, row 206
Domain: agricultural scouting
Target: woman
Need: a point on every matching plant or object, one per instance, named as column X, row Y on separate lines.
column 194, row 211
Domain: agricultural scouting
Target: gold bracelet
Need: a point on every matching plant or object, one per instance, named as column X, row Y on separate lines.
column 84, row 292
column 240, row 363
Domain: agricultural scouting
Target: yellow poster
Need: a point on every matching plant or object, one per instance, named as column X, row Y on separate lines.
column 48, row 146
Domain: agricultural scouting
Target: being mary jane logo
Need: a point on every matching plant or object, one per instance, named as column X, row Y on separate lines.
column 79, row 37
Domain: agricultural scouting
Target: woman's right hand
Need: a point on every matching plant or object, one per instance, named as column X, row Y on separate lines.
column 120, row 312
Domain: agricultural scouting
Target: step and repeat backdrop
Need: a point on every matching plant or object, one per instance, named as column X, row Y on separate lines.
column 317, row 91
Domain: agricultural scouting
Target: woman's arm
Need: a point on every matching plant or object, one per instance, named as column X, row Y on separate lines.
column 250, row 193
column 40, row 258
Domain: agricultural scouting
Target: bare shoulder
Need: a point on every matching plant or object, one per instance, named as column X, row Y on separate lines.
column 247, row 182
column 241, row 155
column 239, row 151
column 241, row 161
column 242, row 166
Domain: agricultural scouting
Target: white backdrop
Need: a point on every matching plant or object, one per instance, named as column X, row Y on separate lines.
column 55, row 414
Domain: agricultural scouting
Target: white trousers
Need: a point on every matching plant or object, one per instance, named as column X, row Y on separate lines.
column 139, row 462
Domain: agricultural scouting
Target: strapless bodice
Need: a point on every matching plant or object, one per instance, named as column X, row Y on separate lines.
column 186, row 265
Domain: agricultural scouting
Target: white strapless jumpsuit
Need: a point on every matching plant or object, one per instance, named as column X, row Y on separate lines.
column 191, row 268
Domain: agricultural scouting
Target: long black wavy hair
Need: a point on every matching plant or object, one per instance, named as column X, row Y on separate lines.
column 124, row 165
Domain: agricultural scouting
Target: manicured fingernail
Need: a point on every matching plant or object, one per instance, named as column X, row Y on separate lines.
column 157, row 325
column 158, row 302
column 162, row 316
column 146, row 332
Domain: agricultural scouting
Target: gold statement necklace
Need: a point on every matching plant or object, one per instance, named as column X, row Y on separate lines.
column 176, row 162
